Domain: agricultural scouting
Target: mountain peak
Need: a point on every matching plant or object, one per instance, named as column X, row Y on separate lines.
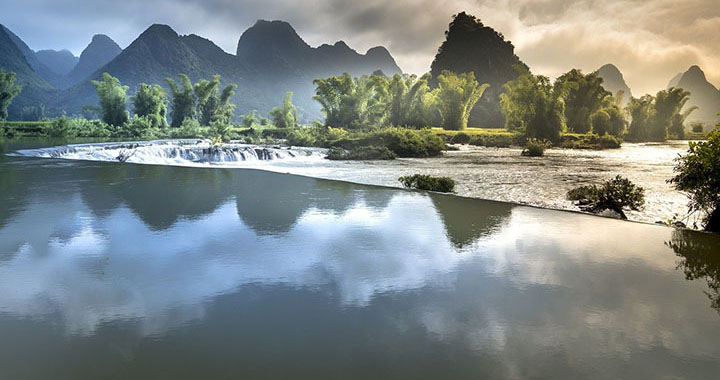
column 101, row 50
column 694, row 73
column 614, row 81
column 703, row 94
column 159, row 30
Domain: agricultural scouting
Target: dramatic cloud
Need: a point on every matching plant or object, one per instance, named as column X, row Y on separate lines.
column 649, row 40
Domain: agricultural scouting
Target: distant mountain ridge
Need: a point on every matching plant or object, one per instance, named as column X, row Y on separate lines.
column 703, row 95
column 61, row 62
column 614, row 81
column 271, row 60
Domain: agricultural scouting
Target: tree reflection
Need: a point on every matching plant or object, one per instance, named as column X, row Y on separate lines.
column 701, row 259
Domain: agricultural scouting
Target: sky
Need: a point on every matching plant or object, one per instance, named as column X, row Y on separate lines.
column 649, row 40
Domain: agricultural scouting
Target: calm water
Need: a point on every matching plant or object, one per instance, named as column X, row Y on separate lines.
column 487, row 173
column 124, row 271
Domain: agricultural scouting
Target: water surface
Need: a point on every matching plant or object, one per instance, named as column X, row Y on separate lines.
column 117, row 271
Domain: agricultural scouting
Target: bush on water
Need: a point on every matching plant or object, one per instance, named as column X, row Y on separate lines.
column 428, row 183
column 613, row 195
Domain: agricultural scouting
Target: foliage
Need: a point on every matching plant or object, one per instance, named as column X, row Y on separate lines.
column 150, row 102
column 697, row 127
column 220, row 130
column 667, row 117
column 250, row 120
column 113, row 100
column 700, row 260
column 190, row 128
column 585, row 97
column 590, row 141
column 213, row 105
column 362, row 153
column 642, row 112
column 139, row 127
column 534, row 148
column 461, row 138
column 428, row 183
column 285, row 116
column 352, row 103
column 534, row 106
column 698, row 174
column 455, row 97
column 615, row 195
column 33, row 113
column 409, row 101
column 183, row 100
column 8, row 91
column 61, row 127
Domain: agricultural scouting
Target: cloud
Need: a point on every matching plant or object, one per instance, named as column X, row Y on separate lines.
column 650, row 41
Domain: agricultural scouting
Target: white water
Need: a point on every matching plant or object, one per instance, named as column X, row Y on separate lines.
column 488, row 173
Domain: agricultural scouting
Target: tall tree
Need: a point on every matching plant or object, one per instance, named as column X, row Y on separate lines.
column 409, row 101
column 531, row 104
column 642, row 112
column 183, row 100
column 150, row 101
column 285, row 116
column 8, row 91
column 205, row 96
column 113, row 100
column 455, row 97
column 610, row 119
column 668, row 106
column 585, row 96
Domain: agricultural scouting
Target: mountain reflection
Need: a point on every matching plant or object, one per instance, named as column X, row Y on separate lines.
column 118, row 242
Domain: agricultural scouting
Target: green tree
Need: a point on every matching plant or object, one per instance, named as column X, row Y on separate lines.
column 532, row 105
column 285, row 116
column 615, row 194
column 183, row 100
column 698, row 174
column 113, row 100
column 642, row 112
column 585, row 96
column 250, row 120
column 455, row 97
column 8, row 91
column 352, row 103
column 213, row 104
column 610, row 119
column 668, row 104
column 150, row 102
column 409, row 101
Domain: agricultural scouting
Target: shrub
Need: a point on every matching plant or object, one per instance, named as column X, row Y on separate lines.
column 615, row 195
column 139, row 127
column 403, row 142
column 697, row 127
column 460, row 138
column 61, row 127
column 428, row 183
column 362, row 153
column 302, row 136
column 220, row 130
column 534, row 148
column 698, row 174
column 190, row 128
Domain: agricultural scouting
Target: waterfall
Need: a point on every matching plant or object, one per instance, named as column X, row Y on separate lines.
column 176, row 152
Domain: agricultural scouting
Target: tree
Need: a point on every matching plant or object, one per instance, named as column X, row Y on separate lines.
column 286, row 115
column 615, row 195
column 352, row 103
column 183, row 100
column 212, row 104
column 455, row 97
column 532, row 105
column 668, row 104
column 113, row 100
column 698, row 174
column 585, row 96
column 609, row 119
column 150, row 102
column 642, row 112
column 250, row 120
column 8, row 91
column 409, row 101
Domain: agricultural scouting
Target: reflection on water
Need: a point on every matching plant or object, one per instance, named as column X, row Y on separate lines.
column 133, row 271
